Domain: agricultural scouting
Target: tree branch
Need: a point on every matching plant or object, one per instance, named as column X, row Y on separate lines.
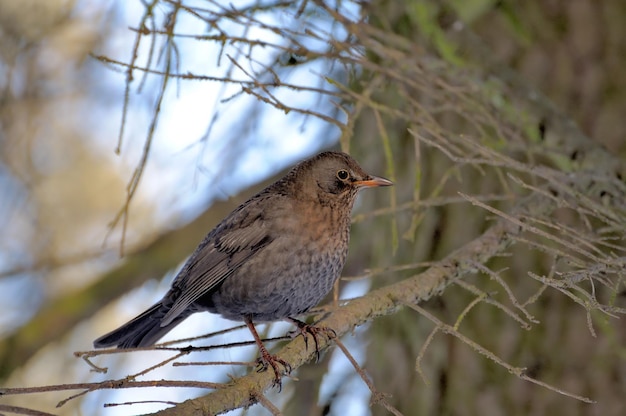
column 381, row 302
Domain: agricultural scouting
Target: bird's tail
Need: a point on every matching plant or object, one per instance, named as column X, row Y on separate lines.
column 142, row 331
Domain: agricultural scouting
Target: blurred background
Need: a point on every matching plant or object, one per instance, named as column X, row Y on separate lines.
column 110, row 177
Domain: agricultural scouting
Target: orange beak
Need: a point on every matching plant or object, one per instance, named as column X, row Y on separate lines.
column 373, row 181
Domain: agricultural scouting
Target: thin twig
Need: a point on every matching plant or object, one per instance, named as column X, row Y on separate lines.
column 518, row 371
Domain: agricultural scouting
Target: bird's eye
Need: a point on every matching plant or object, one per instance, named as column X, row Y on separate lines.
column 342, row 174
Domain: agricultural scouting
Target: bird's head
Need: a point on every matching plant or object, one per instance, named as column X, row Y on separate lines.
column 332, row 177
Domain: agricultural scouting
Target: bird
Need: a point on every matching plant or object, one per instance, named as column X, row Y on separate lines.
column 273, row 258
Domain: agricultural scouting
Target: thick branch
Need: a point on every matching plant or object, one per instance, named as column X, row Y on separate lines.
column 381, row 302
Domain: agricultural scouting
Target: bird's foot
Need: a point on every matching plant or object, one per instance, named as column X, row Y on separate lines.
column 266, row 359
column 269, row 360
column 305, row 330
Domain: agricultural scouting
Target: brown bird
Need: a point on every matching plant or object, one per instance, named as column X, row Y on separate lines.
column 273, row 258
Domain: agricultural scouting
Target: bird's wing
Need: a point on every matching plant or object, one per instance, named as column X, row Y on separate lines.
column 236, row 239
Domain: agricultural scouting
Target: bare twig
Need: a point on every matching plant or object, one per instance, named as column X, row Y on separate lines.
column 518, row 371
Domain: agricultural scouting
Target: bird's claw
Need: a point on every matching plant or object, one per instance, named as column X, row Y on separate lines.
column 268, row 360
column 305, row 329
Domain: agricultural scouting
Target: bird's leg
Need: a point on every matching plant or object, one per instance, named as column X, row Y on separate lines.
column 304, row 329
column 267, row 358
